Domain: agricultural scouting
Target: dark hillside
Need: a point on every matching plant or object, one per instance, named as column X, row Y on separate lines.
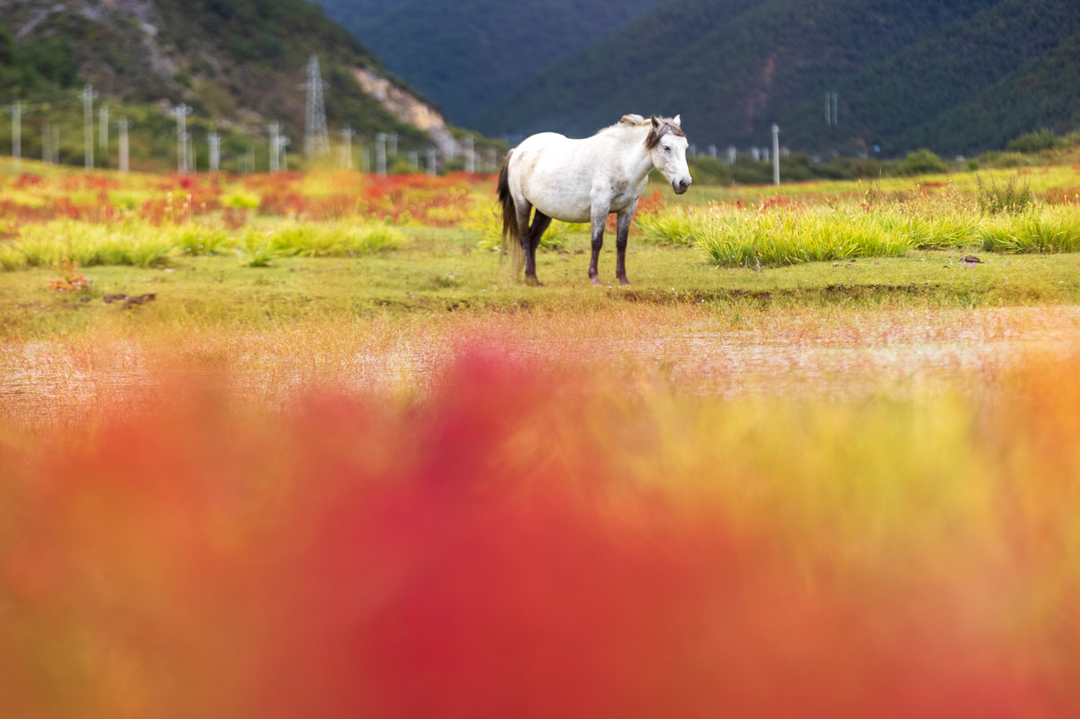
column 467, row 54
column 902, row 102
column 902, row 70
column 731, row 68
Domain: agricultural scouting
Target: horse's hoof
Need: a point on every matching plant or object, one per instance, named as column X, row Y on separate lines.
column 596, row 282
column 623, row 280
column 533, row 282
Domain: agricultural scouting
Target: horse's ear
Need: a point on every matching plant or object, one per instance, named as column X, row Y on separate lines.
column 655, row 121
column 677, row 121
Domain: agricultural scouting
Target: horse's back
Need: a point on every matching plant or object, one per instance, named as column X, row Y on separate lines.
column 554, row 173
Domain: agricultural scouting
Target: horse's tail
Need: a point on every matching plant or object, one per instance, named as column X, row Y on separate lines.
column 511, row 233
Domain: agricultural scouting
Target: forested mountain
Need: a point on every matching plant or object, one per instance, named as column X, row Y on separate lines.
column 467, row 54
column 238, row 63
column 953, row 76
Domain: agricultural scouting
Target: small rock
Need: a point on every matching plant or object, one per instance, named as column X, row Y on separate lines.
column 836, row 264
column 140, row 300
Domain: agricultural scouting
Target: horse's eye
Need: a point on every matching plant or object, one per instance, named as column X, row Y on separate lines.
column 667, row 149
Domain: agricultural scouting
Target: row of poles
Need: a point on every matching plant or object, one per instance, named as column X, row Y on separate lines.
column 316, row 137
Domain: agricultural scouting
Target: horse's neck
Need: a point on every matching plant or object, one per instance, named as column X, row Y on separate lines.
column 636, row 158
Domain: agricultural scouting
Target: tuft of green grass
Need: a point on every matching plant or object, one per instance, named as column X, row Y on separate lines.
column 258, row 248
column 195, row 240
column 336, row 240
column 128, row 243
column 11, row 258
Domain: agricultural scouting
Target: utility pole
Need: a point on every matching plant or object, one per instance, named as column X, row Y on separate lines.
column 365, row 161
column 282, row 143
column 123, row 126
column 275, row 128
column 470, row 156
column 432, row 158
column 414, row 160
column 346, row 147
column 87, row 96
column 56, row 146
column 46, row 137
column 828, row 108
column 776, row 154
column 103, row 131
column 835, row 109
column 392, row 151
column 181, row 112
column 380, row 153
column 215, row 150
column 316, row 138
column 712, row 151
column 16, row 133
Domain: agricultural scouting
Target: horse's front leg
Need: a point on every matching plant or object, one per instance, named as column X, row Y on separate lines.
column 599, row 220
column 622, row 234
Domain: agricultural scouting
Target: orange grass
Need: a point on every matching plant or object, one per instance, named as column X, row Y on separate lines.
column 545, row 541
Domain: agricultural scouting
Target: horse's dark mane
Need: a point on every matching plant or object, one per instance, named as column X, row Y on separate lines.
column 665, row 127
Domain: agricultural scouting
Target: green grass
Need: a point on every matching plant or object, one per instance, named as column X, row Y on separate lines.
column 787, row 235
column 439, row 271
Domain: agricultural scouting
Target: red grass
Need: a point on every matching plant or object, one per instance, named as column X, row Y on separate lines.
column 443, row 562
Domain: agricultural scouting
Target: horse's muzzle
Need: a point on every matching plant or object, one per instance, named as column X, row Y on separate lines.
column 681, row 186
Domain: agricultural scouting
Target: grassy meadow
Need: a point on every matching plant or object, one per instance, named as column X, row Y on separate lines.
column 304, row 445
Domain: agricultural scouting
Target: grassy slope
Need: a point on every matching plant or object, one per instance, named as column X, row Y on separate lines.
column 232, row 58
column 467, row 54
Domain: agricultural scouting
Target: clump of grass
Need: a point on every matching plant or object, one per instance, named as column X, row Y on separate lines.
column 1010, row 199
column 1051, row 230
column 88, row 244
column 11, row 258
column 257, row 249
column 489, row 223
column 740, row 237
column 311, row 240
column 674, row 228
column 195, row 240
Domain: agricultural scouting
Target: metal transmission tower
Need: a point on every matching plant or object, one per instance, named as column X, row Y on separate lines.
column 16, row 109
column 182, row 137
column 123, row 127
column 316, row 137
column 87, row 96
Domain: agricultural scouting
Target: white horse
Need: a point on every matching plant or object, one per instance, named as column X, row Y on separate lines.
column 587, row 180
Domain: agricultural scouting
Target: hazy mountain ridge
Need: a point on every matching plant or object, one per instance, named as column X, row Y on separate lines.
column 467, row 54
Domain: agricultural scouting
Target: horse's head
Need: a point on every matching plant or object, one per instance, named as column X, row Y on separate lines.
column 667, row 143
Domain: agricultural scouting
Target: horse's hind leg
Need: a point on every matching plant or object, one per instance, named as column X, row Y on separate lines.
column 524, row 209
column 540, row 224
column 599, row 220
column 622, row 234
